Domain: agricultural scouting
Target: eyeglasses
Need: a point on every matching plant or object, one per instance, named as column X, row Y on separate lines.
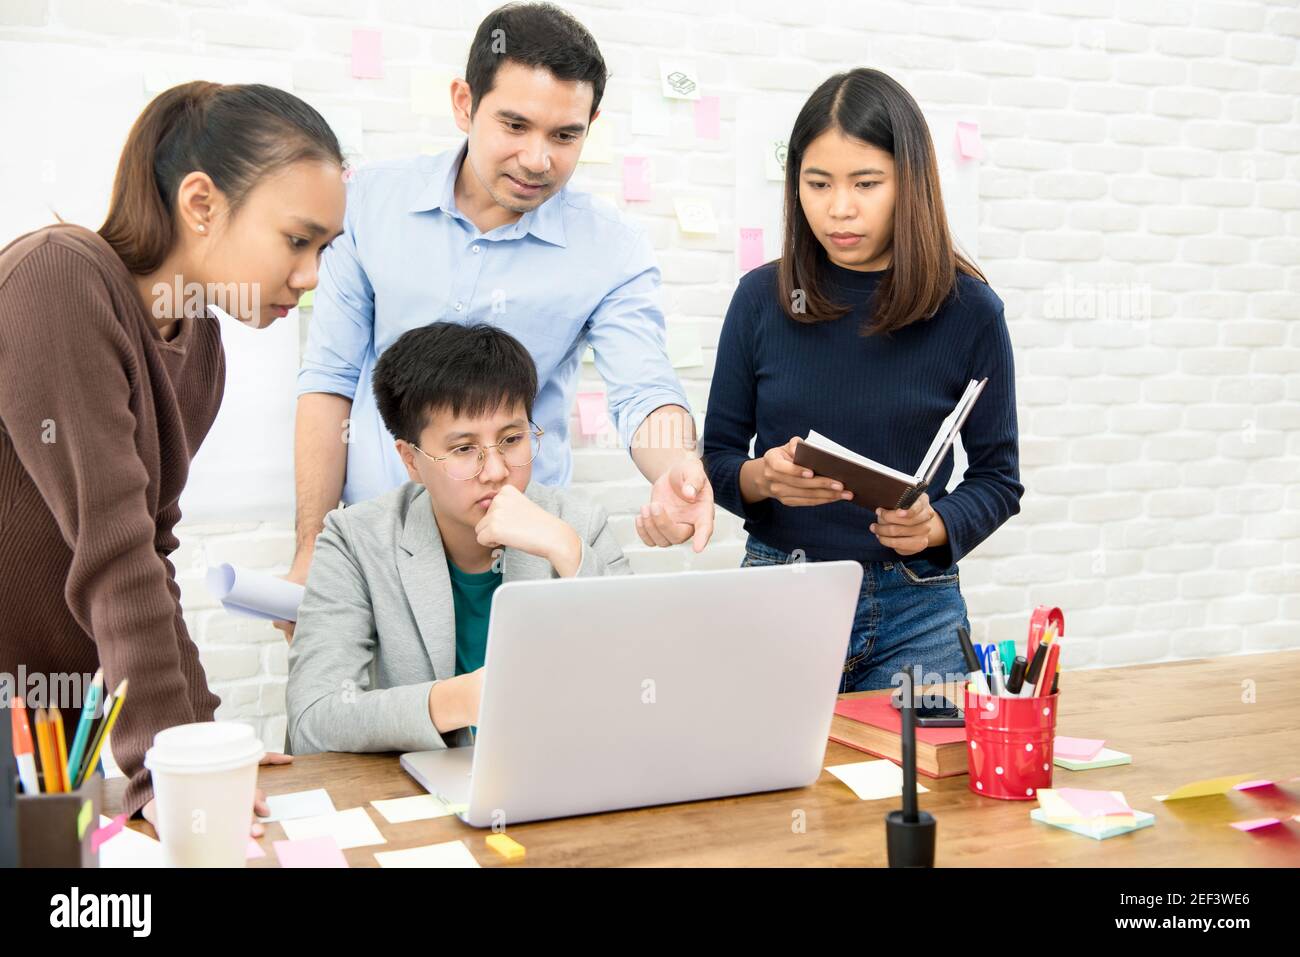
column 465, row 462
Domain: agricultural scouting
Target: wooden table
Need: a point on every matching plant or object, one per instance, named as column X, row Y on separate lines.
column 1181, row 721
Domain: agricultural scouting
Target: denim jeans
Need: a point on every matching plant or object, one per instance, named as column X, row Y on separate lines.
column 908, row 613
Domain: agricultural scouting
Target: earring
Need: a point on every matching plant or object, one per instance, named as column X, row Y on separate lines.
column 202, row 227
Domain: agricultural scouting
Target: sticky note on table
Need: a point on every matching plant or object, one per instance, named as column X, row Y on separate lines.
column 751, row 248
column 448, row 854
column 708, row 117
column 430, row 92
column 421, row 807
column 1252, row 785
column 695, row 215
column 1204, row 788
column 598, row 147
column 254, row 851
column 592, row 415
column 367, row 56
column 507, row 847
column 320, row 851
column 1077, row 749
column 1057, row 810
column 128, row 847
column 104, row 831
column 873, row 780
column 678, row 80
column 968, row 140
column 1255, row 824
column 1092, row 804
column 350, row 828
column 285, row 807
column 1106, row 758
column 1098, row 829
column 636, row 179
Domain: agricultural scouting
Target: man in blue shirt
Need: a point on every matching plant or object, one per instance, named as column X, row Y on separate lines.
column 490, row 233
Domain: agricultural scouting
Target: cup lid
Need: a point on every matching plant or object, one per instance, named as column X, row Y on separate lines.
column 203, row 747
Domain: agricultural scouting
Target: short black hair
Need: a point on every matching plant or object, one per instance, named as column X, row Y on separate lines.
column 445, row 366
column 534, row 34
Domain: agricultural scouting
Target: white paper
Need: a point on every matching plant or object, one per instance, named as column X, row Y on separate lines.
column 941, row 436
column 128, row 848
column 819, row 441
column 679, row 81
column 874, row 780
column 449, row 854
column 418, row 808
column 286, row 807
column 350, row 828
column 255, row 594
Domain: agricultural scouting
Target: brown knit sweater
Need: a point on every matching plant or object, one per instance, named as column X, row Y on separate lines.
column 99, row 418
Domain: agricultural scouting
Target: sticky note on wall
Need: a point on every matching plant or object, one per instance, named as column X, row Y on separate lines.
column 968, row 140
column 708, row 117
column 678, row 80
column 751, row 248
column 636, row 179
column 599, row 145
column 593, row 417
column 367, row 56
column 695, row 215
column 684, row 347
column 430, row 92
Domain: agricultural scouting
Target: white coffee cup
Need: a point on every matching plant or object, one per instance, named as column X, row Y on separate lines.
column 204, row 778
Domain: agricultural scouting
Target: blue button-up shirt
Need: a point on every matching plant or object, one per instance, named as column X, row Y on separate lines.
column 571, row 273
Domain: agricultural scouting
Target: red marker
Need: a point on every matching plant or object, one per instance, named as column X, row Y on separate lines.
column 1049, row 671
column 24, row 752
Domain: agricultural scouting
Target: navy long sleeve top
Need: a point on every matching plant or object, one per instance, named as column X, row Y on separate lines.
column 882, row 396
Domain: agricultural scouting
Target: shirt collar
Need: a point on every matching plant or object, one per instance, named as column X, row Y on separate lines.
column 546, row 222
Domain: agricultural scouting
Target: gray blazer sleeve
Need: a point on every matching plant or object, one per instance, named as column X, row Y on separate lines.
column 601, row 554
column 330, row 703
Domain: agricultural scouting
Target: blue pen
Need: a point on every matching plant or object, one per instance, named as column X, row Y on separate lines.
column 87, row 719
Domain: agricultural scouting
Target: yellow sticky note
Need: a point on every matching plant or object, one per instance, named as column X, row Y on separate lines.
column 430, row 92
column 83, row 819
column 1205, row 788
column 684, row 347
column 695, row 215
column 507, row 847
column 308, row 297
column 599, row 146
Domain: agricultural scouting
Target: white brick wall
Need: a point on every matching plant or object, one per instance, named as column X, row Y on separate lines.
column 1139, row 216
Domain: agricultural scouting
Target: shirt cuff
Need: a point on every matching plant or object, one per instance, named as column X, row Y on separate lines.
column 318, row 380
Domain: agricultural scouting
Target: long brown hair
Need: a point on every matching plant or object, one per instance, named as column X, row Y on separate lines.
column 237, row 134
column 872, row 107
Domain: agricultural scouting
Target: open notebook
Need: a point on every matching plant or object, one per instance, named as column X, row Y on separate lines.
column 878, row 486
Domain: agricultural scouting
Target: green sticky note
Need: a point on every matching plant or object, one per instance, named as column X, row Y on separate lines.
column 307, row 299
column 83, row 819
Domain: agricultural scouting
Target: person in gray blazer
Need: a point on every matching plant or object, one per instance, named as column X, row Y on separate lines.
column 391, row 636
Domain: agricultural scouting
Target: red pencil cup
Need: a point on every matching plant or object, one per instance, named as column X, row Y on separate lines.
column 1009, row 745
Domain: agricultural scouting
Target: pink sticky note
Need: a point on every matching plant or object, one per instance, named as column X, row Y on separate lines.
column 708, row 118
column 1077, row 749
column 254, row 851
column 1255, row 824
column 104, row 833
column 310, row 852
column 751, row 248
column 1251, row 785
column 367, row 60
column 592, row 417
column 636, row 178
column 968, row 140
column 1093, row 803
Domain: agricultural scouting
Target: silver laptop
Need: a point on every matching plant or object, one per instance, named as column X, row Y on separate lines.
column 608, row 693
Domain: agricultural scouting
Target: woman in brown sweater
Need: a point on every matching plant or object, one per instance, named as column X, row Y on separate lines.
column 109, row 381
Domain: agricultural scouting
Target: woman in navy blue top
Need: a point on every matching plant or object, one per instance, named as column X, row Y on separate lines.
column 867, row 330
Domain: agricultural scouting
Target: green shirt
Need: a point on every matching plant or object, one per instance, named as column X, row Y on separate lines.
column 471, row 596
